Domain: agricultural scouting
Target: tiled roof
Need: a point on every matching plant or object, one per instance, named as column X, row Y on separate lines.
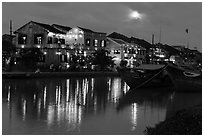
column 45, row 26
column 119, row 41
column 141, row 42
column 62, row 27
column 86, row 30
column 90, row 31
column 116, row 35
column 49, row 27
column 137, row 41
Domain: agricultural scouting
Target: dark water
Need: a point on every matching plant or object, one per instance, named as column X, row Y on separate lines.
column 86, row 106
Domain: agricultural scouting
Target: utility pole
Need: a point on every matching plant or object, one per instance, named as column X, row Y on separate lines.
column 152, row 39
column 10, row 27
column 160, row 27
column 187, row 32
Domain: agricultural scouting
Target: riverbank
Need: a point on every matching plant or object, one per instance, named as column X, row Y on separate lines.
column 57, row 74
column 184, row 122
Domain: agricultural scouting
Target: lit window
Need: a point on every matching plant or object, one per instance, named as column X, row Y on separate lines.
column 55, row 40
column 81, row 32
column 102, row 43
column 22, row 39
column 95, row 42
column 116, row 51
column 38, row 38
column 49, row 40
column 62, row 41
column 88, row 42
column 63, row 58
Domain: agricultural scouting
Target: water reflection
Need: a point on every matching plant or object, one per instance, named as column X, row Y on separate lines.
column 86, row 106
column 148, row 106
column 134, row 116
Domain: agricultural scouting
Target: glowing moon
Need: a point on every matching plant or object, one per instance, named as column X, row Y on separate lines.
column 135, row 15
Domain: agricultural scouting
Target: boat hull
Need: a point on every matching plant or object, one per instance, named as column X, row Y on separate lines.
column 157, row 78
column 182, row 82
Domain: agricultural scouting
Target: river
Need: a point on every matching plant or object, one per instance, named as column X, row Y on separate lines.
column 86, row 106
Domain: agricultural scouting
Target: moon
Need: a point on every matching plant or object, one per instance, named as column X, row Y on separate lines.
column 135, row 15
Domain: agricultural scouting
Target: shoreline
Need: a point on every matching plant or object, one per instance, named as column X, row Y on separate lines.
column 185, row 122
column 13, row 75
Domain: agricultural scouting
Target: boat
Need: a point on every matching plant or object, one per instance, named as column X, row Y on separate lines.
column 146, row 75
column 184, row 80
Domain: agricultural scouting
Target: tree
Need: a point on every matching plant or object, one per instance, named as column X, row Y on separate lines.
column 8, row 46
column 30, row 57
column 123, row 63
column 102, row 59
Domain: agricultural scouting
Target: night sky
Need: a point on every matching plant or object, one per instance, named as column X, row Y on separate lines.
column 136, row 19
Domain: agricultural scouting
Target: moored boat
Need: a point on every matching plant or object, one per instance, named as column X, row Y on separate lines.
column 147, row 75
column 185, row 80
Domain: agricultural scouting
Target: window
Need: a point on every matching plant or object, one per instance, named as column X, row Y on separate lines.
column 22, row 39
column 88, row 42
column 80, row 52
column 125, row 50
column 95, row 43
column 63, row 58
column 116, row 51
column 42, row 58
column 80, row 35
column 131, row 51
column 38, row 38
column 55, row 40
column 62, row 41
column 49, row 40
column 102, row 43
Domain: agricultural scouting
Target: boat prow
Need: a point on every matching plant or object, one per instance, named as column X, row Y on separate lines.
column 147, row 75
column 184, row 80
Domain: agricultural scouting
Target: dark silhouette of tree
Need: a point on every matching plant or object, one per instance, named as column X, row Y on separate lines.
column 123, row 63
column 30, row 57
column 74, row 63
column 102, row 59
column 8, row 46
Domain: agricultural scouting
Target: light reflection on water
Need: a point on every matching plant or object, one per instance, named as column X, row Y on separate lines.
column 134, row 116
column 102, row 105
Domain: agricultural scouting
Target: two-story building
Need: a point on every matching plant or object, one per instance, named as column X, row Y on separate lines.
column 123, row 48
column 59, row 43
column 43, row 36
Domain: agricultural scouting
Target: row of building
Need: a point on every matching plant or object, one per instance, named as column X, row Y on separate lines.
column 60, row 43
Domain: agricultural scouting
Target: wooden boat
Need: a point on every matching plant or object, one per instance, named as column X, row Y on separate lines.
column 148, row 75
column 185, row 80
